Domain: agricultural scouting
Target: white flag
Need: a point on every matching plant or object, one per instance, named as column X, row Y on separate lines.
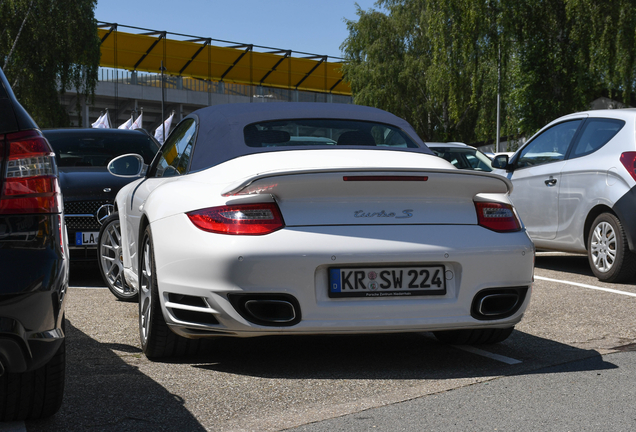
column 103, row 122
column 99, row 123
column 159, row 131
column 127, row 124
column 137, row 123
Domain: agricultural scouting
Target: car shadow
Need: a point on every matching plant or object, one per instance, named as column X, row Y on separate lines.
column 409, row 356
column 105, row 393
column 568, row 263
column 85, row 274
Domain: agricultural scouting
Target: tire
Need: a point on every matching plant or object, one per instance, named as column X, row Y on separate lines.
column 35, row 394
column 607, row 251
column 111, row 265
column 474, row 336
column 157, row 340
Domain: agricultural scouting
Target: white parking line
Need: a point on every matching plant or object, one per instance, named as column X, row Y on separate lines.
column 586, row 286
column 503, row 359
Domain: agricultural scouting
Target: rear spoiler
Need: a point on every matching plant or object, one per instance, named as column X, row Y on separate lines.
column 260, row 183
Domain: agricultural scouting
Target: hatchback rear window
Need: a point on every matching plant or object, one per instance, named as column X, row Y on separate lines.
column 595, row 134
column 325, row 133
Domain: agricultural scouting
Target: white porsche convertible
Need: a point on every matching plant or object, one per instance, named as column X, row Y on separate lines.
column 302, row 218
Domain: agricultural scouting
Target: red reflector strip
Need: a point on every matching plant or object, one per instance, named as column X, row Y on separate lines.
column 31, row 185
column 385, row 178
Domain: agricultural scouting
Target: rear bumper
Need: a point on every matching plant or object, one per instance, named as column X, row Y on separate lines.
column 295, row 262
column 32, row 291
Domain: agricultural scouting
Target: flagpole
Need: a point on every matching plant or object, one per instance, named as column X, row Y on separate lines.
column 162, row 101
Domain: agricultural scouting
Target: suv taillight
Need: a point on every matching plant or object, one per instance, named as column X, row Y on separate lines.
column 628, row 159
column 242, row 219
column 29, row 183
column 497, row 217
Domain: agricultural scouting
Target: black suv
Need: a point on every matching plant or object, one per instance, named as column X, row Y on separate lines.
column 33, row 268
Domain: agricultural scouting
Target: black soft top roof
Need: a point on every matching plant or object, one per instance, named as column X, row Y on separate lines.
column 220, row 135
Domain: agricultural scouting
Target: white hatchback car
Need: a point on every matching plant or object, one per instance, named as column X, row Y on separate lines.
column 575, row 189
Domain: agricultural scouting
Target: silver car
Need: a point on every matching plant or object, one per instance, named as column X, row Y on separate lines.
column 575, row 189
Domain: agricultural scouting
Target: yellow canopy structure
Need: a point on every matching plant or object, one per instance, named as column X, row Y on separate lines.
column 199, row 58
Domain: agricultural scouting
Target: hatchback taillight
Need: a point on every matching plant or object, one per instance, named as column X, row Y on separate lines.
column 29, row 183
column 628, row 159
column 244, row 219
column 497, row 217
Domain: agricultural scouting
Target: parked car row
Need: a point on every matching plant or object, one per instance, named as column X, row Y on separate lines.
column 304, row 218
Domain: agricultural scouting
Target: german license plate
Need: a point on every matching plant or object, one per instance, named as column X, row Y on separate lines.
column 387, row 281
column 86, row 238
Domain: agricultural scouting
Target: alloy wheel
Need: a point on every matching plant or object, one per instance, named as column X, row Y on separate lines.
column 603, row 244
column 111, row 261
column 145, row 292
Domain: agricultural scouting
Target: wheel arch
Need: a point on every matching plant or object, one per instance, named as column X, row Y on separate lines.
column 589, row 220
column 143, row 223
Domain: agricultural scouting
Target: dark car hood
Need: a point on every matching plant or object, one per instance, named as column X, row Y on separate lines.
column 90, row 184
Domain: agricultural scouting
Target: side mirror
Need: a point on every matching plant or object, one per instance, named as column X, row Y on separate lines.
column 128, row 165
column 500, row 162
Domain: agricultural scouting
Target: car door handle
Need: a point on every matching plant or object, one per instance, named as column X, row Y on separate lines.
column 550, row 182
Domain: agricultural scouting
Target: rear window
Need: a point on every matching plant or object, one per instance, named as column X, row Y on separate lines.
column 595, row 134
column 325, row 133
column 96, row 149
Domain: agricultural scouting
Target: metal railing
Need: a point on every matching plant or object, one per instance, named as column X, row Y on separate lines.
column 272, row 94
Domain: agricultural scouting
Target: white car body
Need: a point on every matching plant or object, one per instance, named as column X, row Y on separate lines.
column 329, row 222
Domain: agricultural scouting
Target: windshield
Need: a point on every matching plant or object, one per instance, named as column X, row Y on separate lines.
column 81, row 148
column 464, row 158
column 325, row 132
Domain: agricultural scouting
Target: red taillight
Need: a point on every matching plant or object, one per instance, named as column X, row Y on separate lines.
column 497, row 217
column 628, row 159
column 245, row 219
column 29, row 175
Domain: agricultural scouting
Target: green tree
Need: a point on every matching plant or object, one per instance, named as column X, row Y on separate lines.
column 431, row 62
column 46, row 48
column 441, row 63
column 605, row 33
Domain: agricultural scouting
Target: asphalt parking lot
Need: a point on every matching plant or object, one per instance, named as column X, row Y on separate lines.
column 574, row 323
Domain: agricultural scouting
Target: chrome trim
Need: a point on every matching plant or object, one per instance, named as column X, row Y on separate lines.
column 48, row 335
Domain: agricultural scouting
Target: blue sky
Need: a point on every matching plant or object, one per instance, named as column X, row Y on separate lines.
column 311, row 26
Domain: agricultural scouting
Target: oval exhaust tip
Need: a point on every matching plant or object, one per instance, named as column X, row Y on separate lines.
column 273, row 311
column 497, row 304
